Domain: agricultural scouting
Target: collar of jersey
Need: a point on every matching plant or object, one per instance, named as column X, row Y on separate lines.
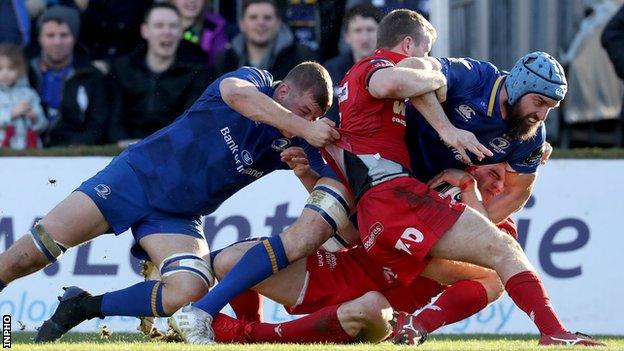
column 494, row 96
column 394, row 56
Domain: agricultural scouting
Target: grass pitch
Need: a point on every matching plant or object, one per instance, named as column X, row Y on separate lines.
column 134, row 341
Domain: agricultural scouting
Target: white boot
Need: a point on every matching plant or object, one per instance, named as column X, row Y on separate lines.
column 193, row 325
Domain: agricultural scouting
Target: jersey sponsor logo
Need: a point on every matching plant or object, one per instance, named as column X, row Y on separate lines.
column 331, row 260
column 409, row 237
column 103, row 191
column 342, row 92
column 241, row 159
column 373, row 233
column 399, row 107
column 500, row 144
column 466, row 112
column 280, row 144
column 319, row 259
column 398, row 120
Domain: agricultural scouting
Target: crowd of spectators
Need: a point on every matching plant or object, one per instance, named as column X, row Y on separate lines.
column 91, row 72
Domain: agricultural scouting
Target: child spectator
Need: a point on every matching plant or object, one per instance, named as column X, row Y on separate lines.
column 21, row 116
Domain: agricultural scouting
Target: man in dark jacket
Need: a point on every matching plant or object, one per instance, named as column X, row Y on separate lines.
column 360, row 33
column 264, row 42
column 72, row 91
column 153, row 85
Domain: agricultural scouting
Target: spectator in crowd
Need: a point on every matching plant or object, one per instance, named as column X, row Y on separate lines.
column 21, row 116
column 264, row 42
column 360, row 33
column 385, row 6
column 111, row 28
column 72, row 90
column 613, row 41
column 203, row 27
column 14, row 22
column 152, row 86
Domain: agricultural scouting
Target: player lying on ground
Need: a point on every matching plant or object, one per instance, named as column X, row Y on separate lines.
column 354, row 298
column 235, row 133
column 372, row 159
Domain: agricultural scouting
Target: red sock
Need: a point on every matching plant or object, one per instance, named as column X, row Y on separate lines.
column 248, row 306
column 527, row 291
column 320, row 326
column 459, row 301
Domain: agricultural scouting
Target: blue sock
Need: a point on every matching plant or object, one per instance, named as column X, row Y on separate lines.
column 2, row 285
column 260, row 262
column 139, row 300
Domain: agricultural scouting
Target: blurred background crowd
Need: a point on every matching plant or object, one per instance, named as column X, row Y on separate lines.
column 92, row 72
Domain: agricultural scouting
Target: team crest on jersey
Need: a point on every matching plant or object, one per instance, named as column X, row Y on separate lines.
column 280, row 144
column 466, row 112
column 103, row 191
column 342, row 92
column 389, row 275
column 246, row 156
column 500, row 144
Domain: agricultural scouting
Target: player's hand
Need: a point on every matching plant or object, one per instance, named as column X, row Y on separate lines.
column 321, row 133
column 547, row 150
column 462, row 140
column 296, row 158
column 452, row 176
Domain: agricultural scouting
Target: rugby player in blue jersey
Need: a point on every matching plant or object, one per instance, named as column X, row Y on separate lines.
column 235, row 133
column 505, row 112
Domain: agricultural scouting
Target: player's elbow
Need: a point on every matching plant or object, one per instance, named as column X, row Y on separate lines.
column 231, row 91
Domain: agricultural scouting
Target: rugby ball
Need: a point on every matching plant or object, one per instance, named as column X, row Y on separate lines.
column 447, row 189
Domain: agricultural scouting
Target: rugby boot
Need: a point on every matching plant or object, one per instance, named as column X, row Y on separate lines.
column 72, row 310
column 230, row 330
column 406, row 330
column 569, row 339
column 193, row 325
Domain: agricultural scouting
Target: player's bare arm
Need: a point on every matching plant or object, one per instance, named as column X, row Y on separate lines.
column 518, row 188
column 462, row 140
column 404, row 82
column 245, row 98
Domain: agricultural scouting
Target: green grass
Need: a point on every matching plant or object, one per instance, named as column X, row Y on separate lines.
column 125, row 341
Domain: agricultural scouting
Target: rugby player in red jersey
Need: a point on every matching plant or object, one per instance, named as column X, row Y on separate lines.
column 354, row 297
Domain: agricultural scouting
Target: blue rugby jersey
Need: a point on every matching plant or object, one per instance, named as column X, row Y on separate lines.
column 472, row 104
column 211, row 151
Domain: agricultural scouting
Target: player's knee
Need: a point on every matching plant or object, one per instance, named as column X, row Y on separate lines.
column 493, row 286
column 503, row 248
column 224, row 261
column 368, row 308
column 326, row 211
column 181, row 289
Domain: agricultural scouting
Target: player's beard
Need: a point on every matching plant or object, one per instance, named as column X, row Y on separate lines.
column 519, row 125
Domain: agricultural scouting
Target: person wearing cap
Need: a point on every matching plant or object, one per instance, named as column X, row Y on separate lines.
column 504, row 110
column 72, row 90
